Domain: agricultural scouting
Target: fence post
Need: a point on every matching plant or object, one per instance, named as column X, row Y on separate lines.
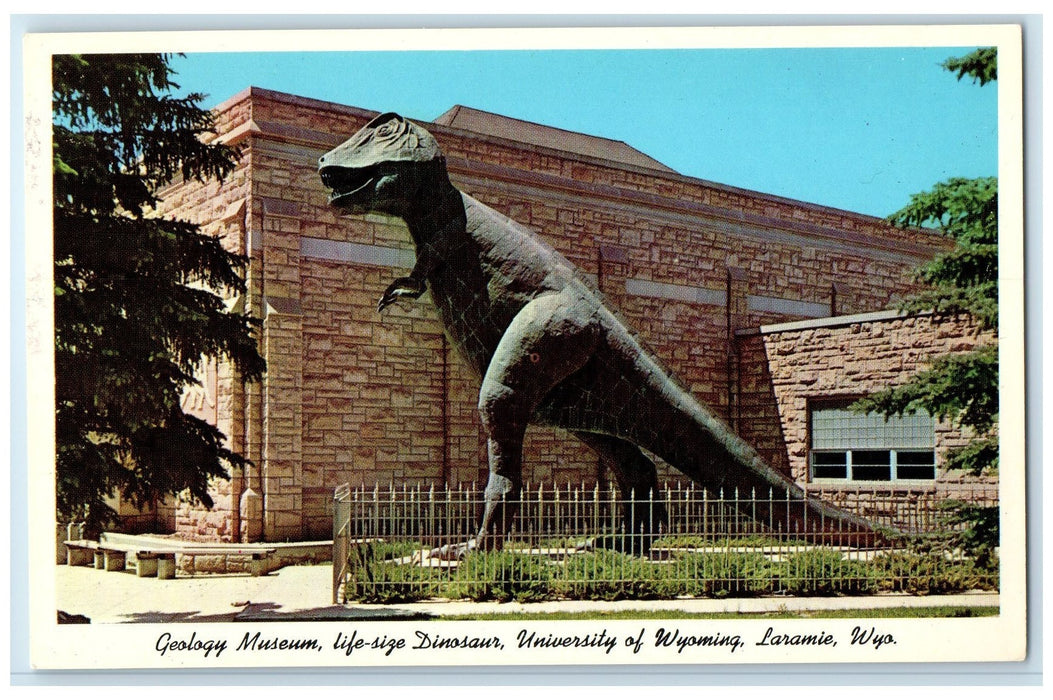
column 341, row 534
column 650, row 536
column 707, row 524
column 595, row 529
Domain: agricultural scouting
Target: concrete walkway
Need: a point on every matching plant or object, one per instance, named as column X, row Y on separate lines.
column 299, row 593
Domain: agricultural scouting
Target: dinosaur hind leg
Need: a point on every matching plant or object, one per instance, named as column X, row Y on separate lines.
column 552, row 337
column 643, row 512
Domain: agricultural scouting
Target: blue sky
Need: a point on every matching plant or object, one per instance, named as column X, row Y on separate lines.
column 857, row 129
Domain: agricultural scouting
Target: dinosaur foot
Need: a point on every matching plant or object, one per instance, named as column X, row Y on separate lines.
column 454, row 552
column 635, row 545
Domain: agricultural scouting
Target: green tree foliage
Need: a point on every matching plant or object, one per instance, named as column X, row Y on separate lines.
column 139, row 299
column 964, row 281
column 981, row 65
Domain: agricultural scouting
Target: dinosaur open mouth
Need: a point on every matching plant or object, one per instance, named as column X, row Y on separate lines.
column 346, row 182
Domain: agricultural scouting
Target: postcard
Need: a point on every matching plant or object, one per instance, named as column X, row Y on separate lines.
column 532, row 347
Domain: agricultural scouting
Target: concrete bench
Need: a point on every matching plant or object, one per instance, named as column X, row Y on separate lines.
column 154, row 561
column 80, row 552
column 114, row 557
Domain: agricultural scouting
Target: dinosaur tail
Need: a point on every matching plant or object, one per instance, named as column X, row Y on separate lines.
column 695, row 441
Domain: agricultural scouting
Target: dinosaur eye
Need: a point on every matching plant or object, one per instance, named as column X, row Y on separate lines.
column 387, row 128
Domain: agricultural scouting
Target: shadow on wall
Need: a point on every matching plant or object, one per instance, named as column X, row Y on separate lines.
column 756, row 414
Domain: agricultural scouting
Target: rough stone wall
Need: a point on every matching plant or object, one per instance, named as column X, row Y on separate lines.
column 784, row 372
column 353, row 396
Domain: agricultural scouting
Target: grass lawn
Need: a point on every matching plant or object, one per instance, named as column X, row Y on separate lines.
column 933, row 611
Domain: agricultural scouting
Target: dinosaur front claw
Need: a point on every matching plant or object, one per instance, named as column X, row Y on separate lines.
column 402, row 287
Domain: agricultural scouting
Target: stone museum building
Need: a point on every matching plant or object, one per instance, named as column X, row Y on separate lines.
column 773, row 312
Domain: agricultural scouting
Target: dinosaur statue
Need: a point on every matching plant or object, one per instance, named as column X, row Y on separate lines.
column 546, row 349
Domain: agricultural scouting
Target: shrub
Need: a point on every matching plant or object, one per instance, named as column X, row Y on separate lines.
column 975, row 531
column 825, row 572
column 704, row 541
column 374, row 576
column 720, row 574
column 609, row 575
column 606, row 575
column 502, row 576
column 603, row 574
column 930, row 573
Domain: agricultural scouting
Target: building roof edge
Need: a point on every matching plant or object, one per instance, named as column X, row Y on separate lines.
column 289, row 98
column 827, row 322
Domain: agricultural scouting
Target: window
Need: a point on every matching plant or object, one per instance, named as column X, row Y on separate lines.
column 857, row 447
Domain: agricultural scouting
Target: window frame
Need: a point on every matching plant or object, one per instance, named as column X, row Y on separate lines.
column 894, row 463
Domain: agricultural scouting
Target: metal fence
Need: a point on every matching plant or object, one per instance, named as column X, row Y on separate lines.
column 399, row 543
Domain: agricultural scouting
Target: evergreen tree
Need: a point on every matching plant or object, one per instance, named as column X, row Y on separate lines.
column 962, row 387
column 138, row 297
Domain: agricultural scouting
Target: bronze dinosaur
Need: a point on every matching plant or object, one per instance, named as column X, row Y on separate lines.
column 546, row 349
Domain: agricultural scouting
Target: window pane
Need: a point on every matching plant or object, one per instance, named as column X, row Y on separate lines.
column 871, row 465
column 871, row 458
column 829, row 465
column 916, row 465
column 875, row 473
column 915, row 458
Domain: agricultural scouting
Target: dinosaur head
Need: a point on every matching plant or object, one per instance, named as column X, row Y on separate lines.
column 382, row 167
